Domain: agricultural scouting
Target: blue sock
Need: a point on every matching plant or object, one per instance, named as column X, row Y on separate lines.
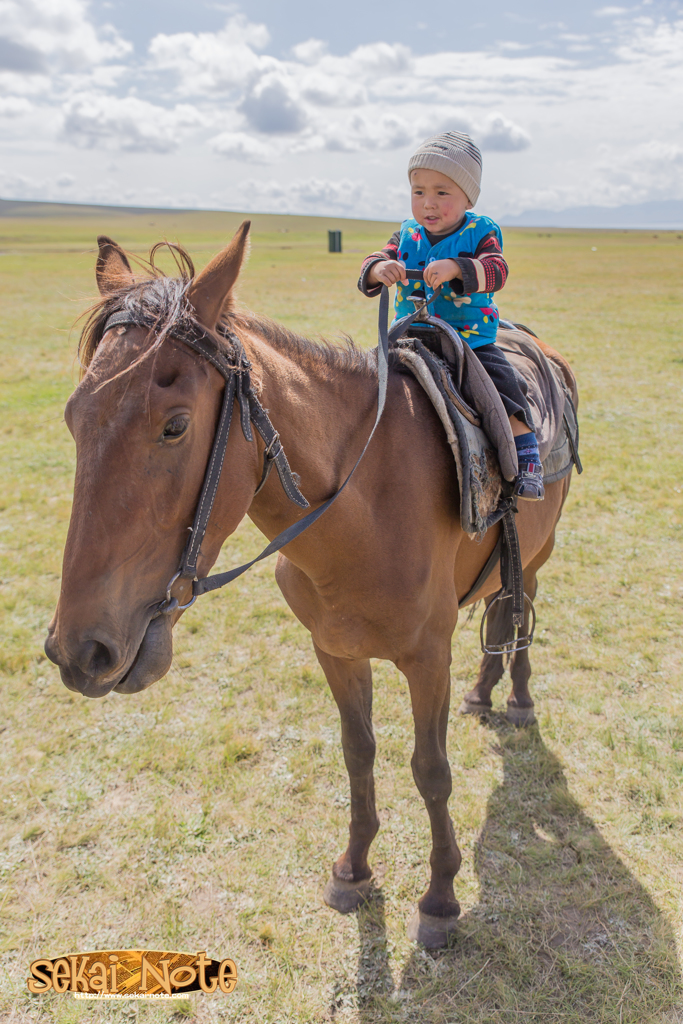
column 527, row 450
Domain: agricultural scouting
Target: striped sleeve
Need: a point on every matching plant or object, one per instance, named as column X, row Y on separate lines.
column 389, row 252
column 486, row 270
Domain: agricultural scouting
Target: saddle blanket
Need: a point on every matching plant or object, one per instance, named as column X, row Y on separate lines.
column 474, row 418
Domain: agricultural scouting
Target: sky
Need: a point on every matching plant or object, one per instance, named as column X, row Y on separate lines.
column 310, row 107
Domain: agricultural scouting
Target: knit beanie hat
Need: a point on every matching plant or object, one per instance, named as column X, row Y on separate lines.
column 456, row 156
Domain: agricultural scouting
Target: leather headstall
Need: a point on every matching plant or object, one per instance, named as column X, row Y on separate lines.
column 237, row 386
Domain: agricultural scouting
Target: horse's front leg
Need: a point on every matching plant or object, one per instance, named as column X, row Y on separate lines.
column 430, row 690
column 351, row 685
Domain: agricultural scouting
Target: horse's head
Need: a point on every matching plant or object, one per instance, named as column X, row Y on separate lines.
column 143, row 419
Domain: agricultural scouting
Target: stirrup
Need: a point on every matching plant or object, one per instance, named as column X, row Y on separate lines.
column 529, row 482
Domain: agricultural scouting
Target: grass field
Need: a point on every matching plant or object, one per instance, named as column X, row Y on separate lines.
column 205, row 812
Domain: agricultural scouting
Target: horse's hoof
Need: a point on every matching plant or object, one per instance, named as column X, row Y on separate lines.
column 432, row 932
column 520, row 716
column 345, row 897
column 467, row 708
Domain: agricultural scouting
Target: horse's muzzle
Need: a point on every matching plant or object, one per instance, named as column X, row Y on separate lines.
column 95, row 666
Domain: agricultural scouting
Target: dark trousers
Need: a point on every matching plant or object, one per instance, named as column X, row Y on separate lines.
column 509, row 384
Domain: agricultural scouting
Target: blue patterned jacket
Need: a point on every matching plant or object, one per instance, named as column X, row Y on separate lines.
column 467, row 304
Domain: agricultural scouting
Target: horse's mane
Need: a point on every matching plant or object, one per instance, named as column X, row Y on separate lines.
column 306, row 353
column 160, row 303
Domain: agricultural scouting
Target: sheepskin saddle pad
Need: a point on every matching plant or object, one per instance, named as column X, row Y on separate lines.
column 474, row 418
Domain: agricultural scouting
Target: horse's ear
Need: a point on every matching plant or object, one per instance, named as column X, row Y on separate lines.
column 210, row 292
column 112, row 269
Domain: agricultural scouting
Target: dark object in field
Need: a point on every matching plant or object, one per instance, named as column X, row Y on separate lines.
column 334, row 241
column 378, row 576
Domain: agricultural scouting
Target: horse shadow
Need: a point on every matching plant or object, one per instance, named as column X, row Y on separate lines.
column 562, row 930
column 374, row 980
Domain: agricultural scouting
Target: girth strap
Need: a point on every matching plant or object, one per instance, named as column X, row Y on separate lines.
column 511, row 566
column 511, row 613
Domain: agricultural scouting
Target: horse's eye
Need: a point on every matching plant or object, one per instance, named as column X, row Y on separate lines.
column 175, row 427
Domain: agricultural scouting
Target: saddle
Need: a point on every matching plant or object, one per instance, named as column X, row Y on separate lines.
column 474, row 418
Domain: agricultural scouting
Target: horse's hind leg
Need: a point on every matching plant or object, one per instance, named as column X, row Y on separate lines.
column 429, row 681
column 492, row 667
column 520, row 705
column 520, row 709
column 351, row 685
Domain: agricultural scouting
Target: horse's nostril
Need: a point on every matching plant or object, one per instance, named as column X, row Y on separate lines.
column 97, row 658
column 102, row 658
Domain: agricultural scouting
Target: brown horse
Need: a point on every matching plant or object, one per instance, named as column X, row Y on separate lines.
column 379, row 576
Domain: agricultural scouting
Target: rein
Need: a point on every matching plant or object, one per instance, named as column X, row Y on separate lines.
column 238, row 386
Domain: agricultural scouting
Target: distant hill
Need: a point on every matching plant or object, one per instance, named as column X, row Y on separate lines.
column 21, row 208
column 27, row 223
column 30, row 208
column 178, row 220
column 662, row 215
column 666, row 214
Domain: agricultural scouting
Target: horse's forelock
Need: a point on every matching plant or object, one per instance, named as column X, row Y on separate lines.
column 157, row 302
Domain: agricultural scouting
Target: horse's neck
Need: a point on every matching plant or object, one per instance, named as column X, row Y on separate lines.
column 322, row 414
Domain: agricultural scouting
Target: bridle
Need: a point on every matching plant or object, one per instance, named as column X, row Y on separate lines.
column 237, row 377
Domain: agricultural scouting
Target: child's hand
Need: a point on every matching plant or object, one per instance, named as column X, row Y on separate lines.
column 387, row 272
column 439, row 271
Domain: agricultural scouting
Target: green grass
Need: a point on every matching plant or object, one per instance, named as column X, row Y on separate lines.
column 204, row 813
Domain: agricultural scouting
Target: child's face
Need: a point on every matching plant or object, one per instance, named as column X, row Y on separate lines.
column 438, row 203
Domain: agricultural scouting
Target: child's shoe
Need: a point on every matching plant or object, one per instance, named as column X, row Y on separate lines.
column 529, row 479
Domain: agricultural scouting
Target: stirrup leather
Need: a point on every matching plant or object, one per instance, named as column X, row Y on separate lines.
column 529, row 482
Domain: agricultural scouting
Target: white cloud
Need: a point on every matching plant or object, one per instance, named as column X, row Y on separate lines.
column 499, row 132
column 661, row 43
column 104, row 189
column 614, row 177
column 340, row 128
column 366, row 132
column 208, row 61
column 332, row 90
column 444, row 119
column 382, row 59
column 310, row 51
column 21, row 59
column 310, row 195
column 127, row 123
column 14, row 106
column 39, row 35
column 372, row 130
column 271, row 106
column 653, row 169
column 22, row 186
column 244, row 148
